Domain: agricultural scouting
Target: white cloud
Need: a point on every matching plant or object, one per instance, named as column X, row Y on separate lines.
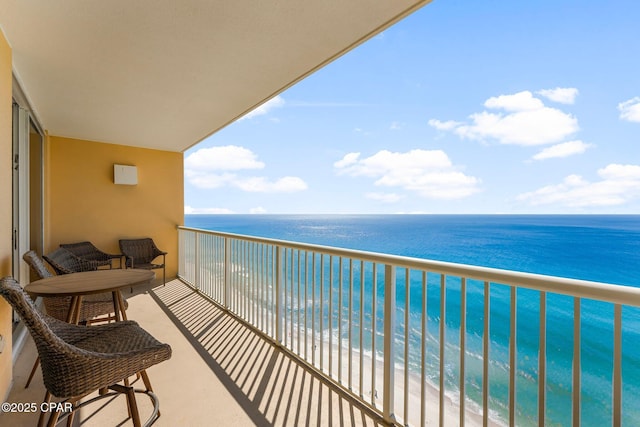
column 525, row 121
column 385, row 161
column 619, row 184
column 257, row 210
column 396, row 126
column 448, row 125
column 209, row 180
column 347, row 160
column 630, row 110
column 252, row 184
column 275, row 102
column 564, row 149
column 521, row 101
column 288, row 184
column 563, row 95
column 429, row 173
column 190, row 210
column 217, row 167
column 384, row 197
column 621, row 172
column 229, row 157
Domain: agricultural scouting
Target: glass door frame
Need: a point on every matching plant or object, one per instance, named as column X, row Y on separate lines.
column 28, row 184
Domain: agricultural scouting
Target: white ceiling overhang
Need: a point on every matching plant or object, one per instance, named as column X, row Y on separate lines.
column 165, row 74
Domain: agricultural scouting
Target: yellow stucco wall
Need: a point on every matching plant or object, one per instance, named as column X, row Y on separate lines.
column 83, row 203
column 5, row 208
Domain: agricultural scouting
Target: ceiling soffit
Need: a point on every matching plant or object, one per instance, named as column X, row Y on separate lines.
column 163, row 74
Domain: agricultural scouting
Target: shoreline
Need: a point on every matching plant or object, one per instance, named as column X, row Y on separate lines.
column 472, row 412
column 473, row 415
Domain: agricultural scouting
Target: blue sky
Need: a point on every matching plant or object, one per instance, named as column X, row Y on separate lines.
column 463, row 107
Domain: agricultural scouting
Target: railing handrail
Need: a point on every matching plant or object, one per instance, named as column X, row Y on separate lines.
column 617, row 294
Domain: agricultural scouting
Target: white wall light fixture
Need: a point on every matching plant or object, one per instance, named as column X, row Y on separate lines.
column 125, row 175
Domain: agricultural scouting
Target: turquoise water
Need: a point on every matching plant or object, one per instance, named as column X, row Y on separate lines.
column 597, row 248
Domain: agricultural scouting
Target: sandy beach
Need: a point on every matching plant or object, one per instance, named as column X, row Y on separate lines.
column 370, row 382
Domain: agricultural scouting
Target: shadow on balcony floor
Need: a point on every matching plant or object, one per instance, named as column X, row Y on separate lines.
column 221, row 373
column 270, row 386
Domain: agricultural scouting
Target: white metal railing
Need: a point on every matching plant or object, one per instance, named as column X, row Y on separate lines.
column 420, row 341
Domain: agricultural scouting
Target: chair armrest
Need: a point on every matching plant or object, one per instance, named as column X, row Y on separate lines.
column 164, row 257
column 157, row 252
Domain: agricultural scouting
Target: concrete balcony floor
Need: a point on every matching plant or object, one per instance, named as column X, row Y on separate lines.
column 221, row 373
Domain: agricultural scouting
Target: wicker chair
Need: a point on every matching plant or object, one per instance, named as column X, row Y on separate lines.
column 78, row 360
column 87, row 251
column 140, row 253
column 65, row 262
column 58, row 307
column 91, row 310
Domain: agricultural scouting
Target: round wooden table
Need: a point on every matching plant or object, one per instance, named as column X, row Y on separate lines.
column 76, row 285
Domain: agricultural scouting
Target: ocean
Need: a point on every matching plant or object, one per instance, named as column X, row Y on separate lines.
column 601, row 248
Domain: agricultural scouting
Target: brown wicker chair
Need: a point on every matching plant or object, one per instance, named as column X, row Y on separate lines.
column 87, row 251
column 65, row 262
column 92, row 310
column 140, row 253
column 78, row 360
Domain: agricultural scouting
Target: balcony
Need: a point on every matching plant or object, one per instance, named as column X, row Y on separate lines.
column 220, row 371
column 268, row 332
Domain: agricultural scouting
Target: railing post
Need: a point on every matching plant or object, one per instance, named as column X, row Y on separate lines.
column 617, row 365
column 181, row 254
column 196, row 261
column 389, row 348
column 227, row 272
column 279, row 294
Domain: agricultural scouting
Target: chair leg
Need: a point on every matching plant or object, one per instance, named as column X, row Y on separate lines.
column 131, row 400
column 147, row 383
column 71, row 415
column 145, row 380
column 132, row 406
column 33, row 371
column 53, row 419
column 47, row 399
